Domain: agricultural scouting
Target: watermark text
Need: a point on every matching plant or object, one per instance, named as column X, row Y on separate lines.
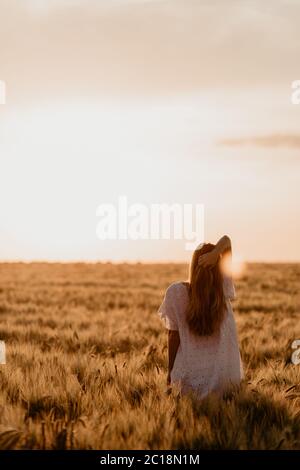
column 151, row 222
column 2, row 92
column 295, row 96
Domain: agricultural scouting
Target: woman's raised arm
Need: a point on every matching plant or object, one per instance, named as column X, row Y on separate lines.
column 223, row 246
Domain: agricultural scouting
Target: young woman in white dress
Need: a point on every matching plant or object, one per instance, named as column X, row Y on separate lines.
column 203, row 351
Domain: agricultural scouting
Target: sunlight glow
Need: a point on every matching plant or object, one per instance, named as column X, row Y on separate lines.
column 238, row 267
column 233, row 266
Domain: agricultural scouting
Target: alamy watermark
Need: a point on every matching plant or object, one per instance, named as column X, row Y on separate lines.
column 295, row 96
column 2, row 353
column 2, row 92
column 296, row 354
column 138, row 221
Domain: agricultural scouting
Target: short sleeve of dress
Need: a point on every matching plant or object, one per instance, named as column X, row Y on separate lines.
column 228, row 287
column 167, row 312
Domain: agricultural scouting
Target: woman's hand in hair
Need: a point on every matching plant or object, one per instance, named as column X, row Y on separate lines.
column 209, row 259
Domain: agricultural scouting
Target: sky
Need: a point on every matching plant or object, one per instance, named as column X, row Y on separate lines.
column 171, row 101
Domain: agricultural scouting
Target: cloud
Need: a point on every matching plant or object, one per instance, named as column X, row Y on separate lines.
column 269, row 141
column 59, row 47
column 45, row 5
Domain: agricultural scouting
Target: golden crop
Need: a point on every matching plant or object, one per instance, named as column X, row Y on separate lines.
column 86, row 361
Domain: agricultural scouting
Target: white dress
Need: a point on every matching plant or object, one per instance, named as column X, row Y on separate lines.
column 203, row 364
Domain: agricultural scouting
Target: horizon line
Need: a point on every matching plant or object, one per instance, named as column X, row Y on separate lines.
column 137, row 261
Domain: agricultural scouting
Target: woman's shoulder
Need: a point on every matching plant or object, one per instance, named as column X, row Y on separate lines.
column 177, row 287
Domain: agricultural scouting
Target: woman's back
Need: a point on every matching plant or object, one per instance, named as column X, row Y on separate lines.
column 203, row 363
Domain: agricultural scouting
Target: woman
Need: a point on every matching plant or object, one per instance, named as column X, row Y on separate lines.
column 203, row 347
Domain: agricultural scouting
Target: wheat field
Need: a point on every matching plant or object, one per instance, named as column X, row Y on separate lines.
column 86, row 361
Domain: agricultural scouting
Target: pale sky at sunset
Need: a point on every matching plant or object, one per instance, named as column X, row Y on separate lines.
column 175, row 101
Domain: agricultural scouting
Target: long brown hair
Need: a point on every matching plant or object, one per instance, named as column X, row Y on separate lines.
column 206, row 307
